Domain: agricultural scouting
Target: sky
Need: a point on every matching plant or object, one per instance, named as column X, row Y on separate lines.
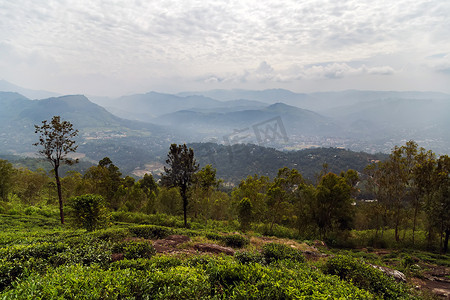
column 118, row 47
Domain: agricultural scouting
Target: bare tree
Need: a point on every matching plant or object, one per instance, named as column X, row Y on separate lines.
column 57, row 139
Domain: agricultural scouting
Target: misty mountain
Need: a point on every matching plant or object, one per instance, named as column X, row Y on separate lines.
column 295, row 120
column 6, row 86
column 329, row 100
column 410, row 118
column 360, row 120
column 144, row 107
column 318, row 101
column 269, row 96
column 19, row 114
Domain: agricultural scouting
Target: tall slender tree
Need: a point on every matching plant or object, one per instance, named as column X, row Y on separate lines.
column 181, row 167
column 57, row 140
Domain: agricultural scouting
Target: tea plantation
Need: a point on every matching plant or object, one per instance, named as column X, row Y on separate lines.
column 40, row 259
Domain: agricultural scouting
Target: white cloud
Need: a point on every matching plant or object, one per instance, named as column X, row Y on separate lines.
column 142, row 42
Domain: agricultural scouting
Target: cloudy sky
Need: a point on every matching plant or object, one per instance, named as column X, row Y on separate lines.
column 123, row 46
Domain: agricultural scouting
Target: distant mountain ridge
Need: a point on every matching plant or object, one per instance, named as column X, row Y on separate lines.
column 19, row 115
column 144, row 107
column 294, row 119
column 6, row 86
column 360, row 120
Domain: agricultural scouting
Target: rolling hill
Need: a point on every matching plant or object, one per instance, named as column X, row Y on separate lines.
column 98, row 128
column 295, row 120
column 145, row 107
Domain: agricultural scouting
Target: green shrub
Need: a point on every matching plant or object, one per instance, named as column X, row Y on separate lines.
column 365, row 276
column 134, row 249
column 43, row 250
column 407, row 261
column 156, row 262
column 165, row 262
column 151, row 232
column 273, row 252
column 141, row 264
column 89, row 211
column 78, row 282
column 231, row 240
column 213, row 236
column 113, row 234
column 246, row 257
column 235, row 240
column 10, row 271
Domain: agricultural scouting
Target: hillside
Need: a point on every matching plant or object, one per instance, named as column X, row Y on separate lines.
column 236, row 162
column 296, row 121
column 144, row 107
column 97, row 127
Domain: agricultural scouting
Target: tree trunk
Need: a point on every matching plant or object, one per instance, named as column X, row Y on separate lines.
column 58, row 186
column 397, row 223
column 447, row 234
column 416, row 208
column 185, row 203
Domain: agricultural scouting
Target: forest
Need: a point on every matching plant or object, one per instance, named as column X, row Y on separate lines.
column 320, row 232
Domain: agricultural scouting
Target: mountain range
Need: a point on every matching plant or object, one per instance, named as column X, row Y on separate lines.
column 137, row 129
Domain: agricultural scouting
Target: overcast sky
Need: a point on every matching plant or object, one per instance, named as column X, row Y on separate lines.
column 123, row 46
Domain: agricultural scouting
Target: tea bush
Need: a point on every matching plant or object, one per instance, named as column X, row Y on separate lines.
column 156, row 262
column 365, row 277
column 10, row 271
column 231, row 240
column 151, row 232
column 78, row 282
column 273, row 252
column 246, row 257
column 134, row 249
column 235, row 240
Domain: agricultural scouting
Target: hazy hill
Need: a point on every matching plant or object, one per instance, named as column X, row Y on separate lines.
column 144, row 107
column 19, row 115
column 410, row 118
column 318, row 101
column 6, row 86
column 268, row 96
column 295, row 120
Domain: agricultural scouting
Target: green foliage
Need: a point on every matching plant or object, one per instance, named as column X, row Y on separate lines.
column 6, row 176
column 43, row 250
column 89, row 211
column 112, row 234
column 273, row 252
column 134, row 249
column 104, row 179
column 407, row 261
column 366, row 277
column 169, row 201
column 235, row 240
column 247, row 257
column 230, row 240
column 75, row 282
column 334, row 210
column 156, row 262
column 181, row 168
column 245, row 213
column 57, row 140
column 10, row 271
column 233, row 280
column 151, row 231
